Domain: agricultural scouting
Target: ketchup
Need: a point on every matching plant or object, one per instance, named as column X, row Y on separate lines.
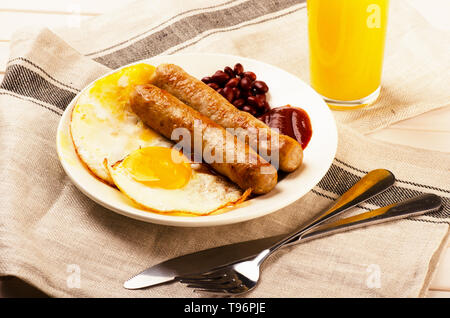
column 291, row 121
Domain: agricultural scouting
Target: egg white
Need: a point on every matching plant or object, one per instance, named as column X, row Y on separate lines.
column 203, row 194
column 101, row 131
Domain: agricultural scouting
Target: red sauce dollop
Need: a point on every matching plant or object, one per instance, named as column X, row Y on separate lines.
column 291, row 121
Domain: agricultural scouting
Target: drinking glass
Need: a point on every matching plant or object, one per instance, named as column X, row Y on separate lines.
column 346, row 48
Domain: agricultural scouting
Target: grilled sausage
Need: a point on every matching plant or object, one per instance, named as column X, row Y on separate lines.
column 165, row 113
column 208, row 102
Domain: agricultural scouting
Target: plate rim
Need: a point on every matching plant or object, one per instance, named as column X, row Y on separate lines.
column 184, row 221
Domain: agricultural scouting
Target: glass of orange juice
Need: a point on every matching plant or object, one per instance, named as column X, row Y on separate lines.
column 346, row 48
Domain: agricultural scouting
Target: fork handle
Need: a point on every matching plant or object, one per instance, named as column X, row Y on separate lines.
column 416, row 206
column 373, row 183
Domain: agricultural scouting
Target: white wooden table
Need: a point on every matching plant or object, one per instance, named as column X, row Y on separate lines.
column 429, row 131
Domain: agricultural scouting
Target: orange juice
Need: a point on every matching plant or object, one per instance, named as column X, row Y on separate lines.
column 346, row 46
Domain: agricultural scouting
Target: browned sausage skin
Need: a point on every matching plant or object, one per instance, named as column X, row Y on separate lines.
column 208, row 102
column 165, row 113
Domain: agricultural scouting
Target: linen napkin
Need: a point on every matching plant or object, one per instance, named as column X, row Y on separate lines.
column 54, row 237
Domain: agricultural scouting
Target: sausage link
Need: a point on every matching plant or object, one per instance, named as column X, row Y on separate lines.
column 208, row 102
column 164, row 113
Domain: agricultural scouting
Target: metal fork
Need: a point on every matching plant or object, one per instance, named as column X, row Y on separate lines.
column 243, row 276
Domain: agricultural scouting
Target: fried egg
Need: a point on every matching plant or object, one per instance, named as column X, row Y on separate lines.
column 103, row 124
column 164, row 180
column 118, row 148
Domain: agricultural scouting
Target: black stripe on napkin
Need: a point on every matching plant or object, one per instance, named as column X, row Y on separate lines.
column 23, row 81
column 159, row 25
column 31, row 101
column 235, row 28
column 401, row 181
column 189, row 27
column 338, row 180
column 22, row 59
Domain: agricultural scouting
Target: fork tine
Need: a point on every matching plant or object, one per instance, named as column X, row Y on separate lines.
column 206, row 277
column 225, row 285
column 210, row 275
column 222, row 291
column 209, row 291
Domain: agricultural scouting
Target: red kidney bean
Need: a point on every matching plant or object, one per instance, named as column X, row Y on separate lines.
column 228, row 93
column 220, row 77
column 237, row 93
column 250, row 75
column 254, row 112
column 261, row 98
column 239, row 102
column 233, row 82
column 249, row 109
column 245, row 83
column 229, row 71
column 207, row 79
column 213, row 86
column 261, row 102
column 253, row 101
column 241, row 89
column 245, row 94
column 238, row 69
column 266, row 107
column 260, row 86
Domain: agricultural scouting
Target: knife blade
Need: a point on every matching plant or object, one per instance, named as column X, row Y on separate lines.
column 198, row 262
column 208, row 259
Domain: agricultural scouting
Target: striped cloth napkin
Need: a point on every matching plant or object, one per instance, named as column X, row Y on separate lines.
column 57, row 239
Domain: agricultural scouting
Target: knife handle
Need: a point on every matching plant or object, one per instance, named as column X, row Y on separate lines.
column 416, row 206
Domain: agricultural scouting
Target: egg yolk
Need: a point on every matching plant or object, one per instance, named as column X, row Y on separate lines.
column 114, row 90
column 159, row 167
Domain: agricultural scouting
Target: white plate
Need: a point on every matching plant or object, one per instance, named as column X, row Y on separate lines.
column 285, row 88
